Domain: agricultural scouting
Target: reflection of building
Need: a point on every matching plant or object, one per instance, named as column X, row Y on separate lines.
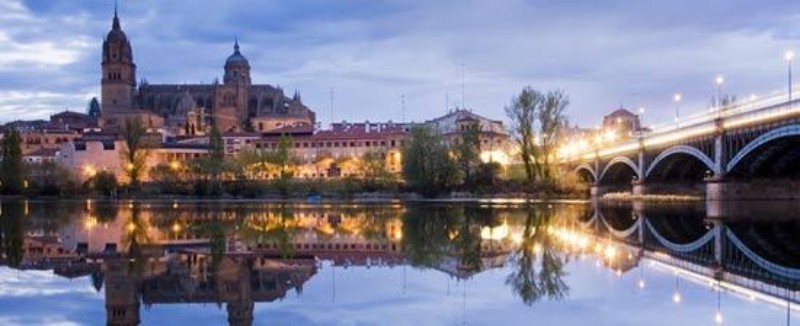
column 236, row 281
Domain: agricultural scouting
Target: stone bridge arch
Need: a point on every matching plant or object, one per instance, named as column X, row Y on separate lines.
column 620, row 160
column 680, row 150
column 761, row 142
column 585, row 170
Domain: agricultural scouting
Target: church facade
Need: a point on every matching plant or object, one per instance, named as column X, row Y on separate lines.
column 188, row 110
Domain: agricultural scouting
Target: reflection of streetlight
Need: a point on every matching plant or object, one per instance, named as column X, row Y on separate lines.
column 677, row 98
column 676, row 296
column 789, row 56
column 718, row 314
column 641, row 277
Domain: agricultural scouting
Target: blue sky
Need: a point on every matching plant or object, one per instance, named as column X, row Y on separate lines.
column 372, row 52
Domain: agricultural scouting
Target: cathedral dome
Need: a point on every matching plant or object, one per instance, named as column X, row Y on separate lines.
column 116, row 46
column 236, row 58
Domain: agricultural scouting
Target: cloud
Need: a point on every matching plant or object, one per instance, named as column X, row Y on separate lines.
column 635, row 53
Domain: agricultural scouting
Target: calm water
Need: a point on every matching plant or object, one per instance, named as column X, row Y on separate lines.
column 243, row 263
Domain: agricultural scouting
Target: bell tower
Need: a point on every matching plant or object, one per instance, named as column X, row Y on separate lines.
column 118, row 81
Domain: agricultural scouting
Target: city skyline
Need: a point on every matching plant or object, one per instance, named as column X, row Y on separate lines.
column 373, row 54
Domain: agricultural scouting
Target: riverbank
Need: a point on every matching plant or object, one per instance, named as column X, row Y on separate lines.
column 307, row 190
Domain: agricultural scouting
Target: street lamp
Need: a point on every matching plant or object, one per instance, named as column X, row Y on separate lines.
column 641, row 118
column 718, row 81
column 677, row 98
column 789, row 56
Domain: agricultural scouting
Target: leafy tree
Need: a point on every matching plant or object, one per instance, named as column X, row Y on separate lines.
column 11, row 170
column 373, row 167
column 468, row 151
column 532, row 109
column 104, row 182
column 216, row 153
column 551, row 122
column 522, row 112
column 428, row 166
column 49, row 178
column 93, row 110
column 135, row 152
column 283, row 158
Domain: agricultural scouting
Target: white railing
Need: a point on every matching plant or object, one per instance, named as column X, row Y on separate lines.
column 732, row 116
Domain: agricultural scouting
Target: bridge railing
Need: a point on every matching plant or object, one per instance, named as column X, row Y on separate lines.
column 731, row 116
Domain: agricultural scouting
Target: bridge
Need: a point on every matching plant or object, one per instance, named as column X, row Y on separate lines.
column 746, row 150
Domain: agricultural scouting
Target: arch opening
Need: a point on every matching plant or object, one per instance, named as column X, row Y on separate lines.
column 774, row 158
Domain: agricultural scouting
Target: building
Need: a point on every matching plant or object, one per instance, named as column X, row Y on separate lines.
column 233, row 105
column 623, row 122
column 496, row 144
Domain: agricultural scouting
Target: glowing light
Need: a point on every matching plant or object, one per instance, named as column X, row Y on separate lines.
column 131, row 227
column 718, row 317
column 516, row 238
column 640, row 284
column 176, row 228
column 494, row 233
column 719, row 80
column 129, row 166
column 175, row 165
column 610, row 252
column 89, row 171
column 676, row 297
column 90, row 223
column 789, row 55
column 677, row 97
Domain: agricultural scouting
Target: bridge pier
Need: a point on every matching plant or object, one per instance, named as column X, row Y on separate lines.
column 722, row 189
column 638, row 188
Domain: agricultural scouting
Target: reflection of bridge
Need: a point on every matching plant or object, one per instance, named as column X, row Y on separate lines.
column 751, row 258
column 720, row 152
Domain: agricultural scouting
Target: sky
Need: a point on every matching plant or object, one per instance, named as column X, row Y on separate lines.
column 437, row 55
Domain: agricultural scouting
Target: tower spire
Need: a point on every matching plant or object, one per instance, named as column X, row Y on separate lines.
column 115, row 25
column 235, row 44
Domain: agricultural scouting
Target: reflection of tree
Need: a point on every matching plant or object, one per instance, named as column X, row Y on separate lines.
column 13, row 231
column 278, row 226
column 135, row 236
column 105, row 212
column 426, row 232
column 468, row 240
column 530, row 285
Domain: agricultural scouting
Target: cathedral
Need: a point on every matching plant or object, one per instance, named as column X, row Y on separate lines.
column 235, row 105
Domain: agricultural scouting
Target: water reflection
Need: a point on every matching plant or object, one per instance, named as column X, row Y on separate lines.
column 237, row 254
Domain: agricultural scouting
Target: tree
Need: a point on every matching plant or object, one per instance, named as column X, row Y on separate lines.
column 551, row 121
column 135, row 152
column 93, row 110
column 532, row 109
column 373, row 167
column 282, row 157
column 103, row 182
column 468, row 151
column 11, row 170
column 522, row 112
column 428, row 166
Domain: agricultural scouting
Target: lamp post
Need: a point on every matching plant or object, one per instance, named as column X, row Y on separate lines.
column 677, row 98
column 789, row 56
column 641, row 118
column 718, row 81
